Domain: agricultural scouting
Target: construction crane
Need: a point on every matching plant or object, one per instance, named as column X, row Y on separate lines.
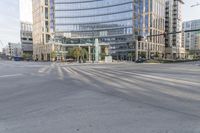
column 1, row 46
column 197, row 4
column 1, row 43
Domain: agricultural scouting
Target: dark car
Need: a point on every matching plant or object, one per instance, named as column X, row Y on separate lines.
column 70, row 60
column 17, row 59
column 141, row 60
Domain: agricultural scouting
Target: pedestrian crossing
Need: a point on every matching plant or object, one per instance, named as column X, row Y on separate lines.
column 165, row 79
column 116, row 77
column 121, row 75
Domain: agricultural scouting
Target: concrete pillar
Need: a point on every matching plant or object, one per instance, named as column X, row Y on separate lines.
column 53, row 47
column 100, row 51
column 96, row 50
column 39, row 55
column 106, row 50
column 45, row 56
column 89, row 53
column 136, row 50
column 147, row 54
column 172, row 55
column 149, row 50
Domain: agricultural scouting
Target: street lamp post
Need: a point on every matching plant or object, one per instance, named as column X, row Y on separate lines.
column 93, row 41
column 148, row 52
column 148, row 49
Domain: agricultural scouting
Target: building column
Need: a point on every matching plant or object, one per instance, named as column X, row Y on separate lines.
column 100, row 51
column 149, row 50
column 89, row 53
column 106, row 50
column 136, row 50
column 45, row 57
column 147, row 54
column 96, row 50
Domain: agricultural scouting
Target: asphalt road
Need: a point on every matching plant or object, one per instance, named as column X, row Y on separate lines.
column 112, row 98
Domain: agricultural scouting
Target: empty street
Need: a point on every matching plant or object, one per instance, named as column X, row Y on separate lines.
column 99, row 98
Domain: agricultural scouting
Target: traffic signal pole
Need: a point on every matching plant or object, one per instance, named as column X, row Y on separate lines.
column 172, row 33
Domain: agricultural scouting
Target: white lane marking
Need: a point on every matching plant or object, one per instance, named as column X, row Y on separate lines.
column 29, row 66
column 66, row 70
column 164, row 78
column 186, row 69
column 76, row 75
column 12, row 75
column 52, row 66
column 42, row 70
column 70, row 70
column 60, row 73
column 47, row 69
column 86, row 72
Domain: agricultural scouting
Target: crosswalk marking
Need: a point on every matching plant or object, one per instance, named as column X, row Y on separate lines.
column 46, row 69
column 60, row 73
column 11, row 75
column 162, row 78
column 42, row 70
column 67, row 70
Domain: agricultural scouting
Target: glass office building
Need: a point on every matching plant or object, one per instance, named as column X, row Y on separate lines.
column 117, row 23
column 111, row 21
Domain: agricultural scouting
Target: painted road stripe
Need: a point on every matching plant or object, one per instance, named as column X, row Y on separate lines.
column 60, row 73
column 42, row 70
column 12, row 75
column 181, row 81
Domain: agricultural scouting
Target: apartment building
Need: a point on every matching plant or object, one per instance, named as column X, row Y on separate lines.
column 175, row 49
column 26, row 37
column 41, row 29
column 13, row 50
column 192, row 39
column 152, row 22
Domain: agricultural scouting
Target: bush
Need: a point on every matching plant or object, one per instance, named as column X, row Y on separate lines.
column 53, row 54
column 177, row 61
column 27, row 56
column 78, row 53
column 152, row 61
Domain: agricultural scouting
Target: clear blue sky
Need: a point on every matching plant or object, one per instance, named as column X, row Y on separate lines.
column 10, row 26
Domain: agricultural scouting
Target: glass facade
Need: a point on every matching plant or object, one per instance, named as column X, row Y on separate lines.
column 192, row 39
column 86, row 18
column 111, row 21
column 150, row 19
column 115, row 22
column 51, row 3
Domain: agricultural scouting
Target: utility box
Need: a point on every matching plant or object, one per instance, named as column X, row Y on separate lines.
column 190, row 57
column 108, row 59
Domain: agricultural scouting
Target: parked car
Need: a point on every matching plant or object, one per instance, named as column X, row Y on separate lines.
column 17, row 58
column 141, row 60
column 70, row 60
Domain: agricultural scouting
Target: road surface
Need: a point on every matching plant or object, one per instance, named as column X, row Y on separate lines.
column 92, row 98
